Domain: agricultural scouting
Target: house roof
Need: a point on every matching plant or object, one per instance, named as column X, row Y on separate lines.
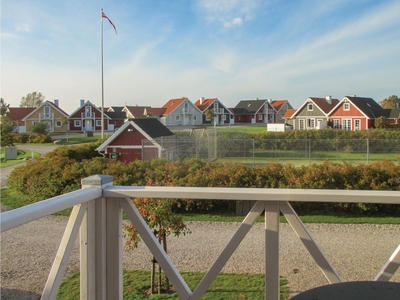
column 19, row 113
column 115, row 115
column 114, row 108
column 278, row 104
column 289, row 113
column 44, row 104
column 172, row 104
column 323, row 104
column 91, row 104
column 368, row 106
column 136, row 111
column 151, row 128
column 155, row 111
column 205, row 103
column 392, row 113
column 250, row 106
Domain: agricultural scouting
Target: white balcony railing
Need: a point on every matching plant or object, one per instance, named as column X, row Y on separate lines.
column 46, row 116
column 97, row 214
column 88, row 115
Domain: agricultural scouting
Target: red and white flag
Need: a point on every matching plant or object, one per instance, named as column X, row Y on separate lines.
column 104, row 16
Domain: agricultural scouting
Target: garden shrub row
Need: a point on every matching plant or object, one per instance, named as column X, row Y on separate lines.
column 61, row 171
column 34, row 138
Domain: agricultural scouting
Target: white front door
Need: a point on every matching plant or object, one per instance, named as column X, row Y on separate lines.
column 88, row 125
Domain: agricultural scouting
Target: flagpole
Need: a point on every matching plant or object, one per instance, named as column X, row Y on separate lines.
column 102, row 78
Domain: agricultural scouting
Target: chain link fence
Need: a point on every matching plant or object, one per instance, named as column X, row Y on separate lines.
column 206, row 146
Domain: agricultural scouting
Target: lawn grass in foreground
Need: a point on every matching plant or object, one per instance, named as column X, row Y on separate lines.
column 226, row 286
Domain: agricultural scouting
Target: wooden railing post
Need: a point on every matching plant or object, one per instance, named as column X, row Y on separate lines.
column 93, row 242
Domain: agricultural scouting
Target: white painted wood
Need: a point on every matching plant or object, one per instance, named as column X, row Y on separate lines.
column 114, row 249
column 101, row 244
column 250, row 194
column 64, row 251
column 155, row 248
column 87, row 251
column 309, row 243
column 272, row 287
column 390, row 266
column 229, row 249
column 32, row 212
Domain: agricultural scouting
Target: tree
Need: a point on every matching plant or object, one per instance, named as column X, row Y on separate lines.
column 65, row 121
column 6, row 128
column 391, row 102
column 380, row 122
column 210, row 114
column 34, row 99
column 40, row 128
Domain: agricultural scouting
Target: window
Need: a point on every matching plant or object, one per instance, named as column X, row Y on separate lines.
column 77, row 123
column 346, row 106
column 58, row 123
column 311, row 123
column 223, row 117
column 347, row 124
column 177, row 118
column 88, row 111
column 194, row 118
column 302, row 124
column 357, row 124
column 98, row 122
column 260, row 117
column 336, row 124
column 47, row 110
column 309, row 107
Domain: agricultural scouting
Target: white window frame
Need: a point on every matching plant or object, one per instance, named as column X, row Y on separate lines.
column 260, row 117
column 77, row 123
column 311, row 123
column 346, row 106
column 346, row 124
column 98, row 122
column 223, row 117
column 58, row 123
column 357, row 124
column 310, row 107
column 47, row 109
column 177, row 118
column 302, row 124
column 336, row 124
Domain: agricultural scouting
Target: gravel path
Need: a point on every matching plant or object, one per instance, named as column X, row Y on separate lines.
column 356, row 251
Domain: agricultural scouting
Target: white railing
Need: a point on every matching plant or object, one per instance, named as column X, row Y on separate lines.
column 46, row 116
column 97, row 214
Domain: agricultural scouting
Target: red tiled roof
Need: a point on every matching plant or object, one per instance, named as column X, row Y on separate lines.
column 172, row 104
column 18, row 113
column 277, row 104
column 205, row 104
column 289, row 113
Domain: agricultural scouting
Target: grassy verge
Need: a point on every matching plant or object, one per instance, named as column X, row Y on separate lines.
column 136, row 285
column 22, row 155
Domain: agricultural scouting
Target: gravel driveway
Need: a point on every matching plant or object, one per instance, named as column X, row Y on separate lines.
column 357, row 252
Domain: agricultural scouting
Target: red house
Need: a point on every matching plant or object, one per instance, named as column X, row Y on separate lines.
column 355, row 113
column 137, row 139
column 88, row 118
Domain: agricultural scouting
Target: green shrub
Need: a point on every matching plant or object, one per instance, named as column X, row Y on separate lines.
column 39, row 138
column 21, row 138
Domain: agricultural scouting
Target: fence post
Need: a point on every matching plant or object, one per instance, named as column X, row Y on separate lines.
column 93, row 242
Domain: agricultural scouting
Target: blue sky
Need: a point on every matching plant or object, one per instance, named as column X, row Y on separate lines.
column 229, row 49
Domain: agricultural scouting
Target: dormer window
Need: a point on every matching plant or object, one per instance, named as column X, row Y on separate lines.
column 346, row 106
column 309, row 107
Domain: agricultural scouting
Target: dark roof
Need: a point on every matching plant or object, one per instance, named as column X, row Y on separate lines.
column 323, row 103
column 368, row 106
column 250, row 106
column 392, row 113
column 153, row 127
column 115, row 115
column 239, row 111
column 116, row 108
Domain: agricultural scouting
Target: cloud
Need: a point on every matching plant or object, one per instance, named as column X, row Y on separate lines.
column 229, row 13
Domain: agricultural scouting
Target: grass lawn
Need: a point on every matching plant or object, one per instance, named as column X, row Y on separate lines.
column 136, row 286
column 22, row 155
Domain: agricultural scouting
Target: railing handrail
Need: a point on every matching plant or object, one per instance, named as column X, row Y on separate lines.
column 17, row 217
column 253, row 194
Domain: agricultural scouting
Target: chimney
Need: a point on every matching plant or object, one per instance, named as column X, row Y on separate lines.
column 82, row 102
column 201, row 100
column 329, row 100
column 56, row 102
